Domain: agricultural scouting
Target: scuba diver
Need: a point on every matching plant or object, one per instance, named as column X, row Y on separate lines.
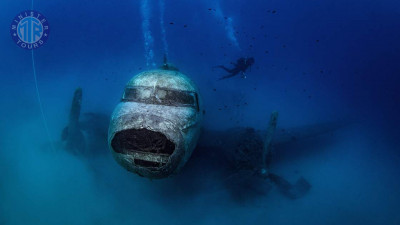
column 241, row 65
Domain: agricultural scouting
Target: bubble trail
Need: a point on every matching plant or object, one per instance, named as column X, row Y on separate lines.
column 148, row 38
column 163, row 33
column 231, row 32
column 228, row 23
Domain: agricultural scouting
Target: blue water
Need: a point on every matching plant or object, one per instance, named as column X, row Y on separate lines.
column 315, row 61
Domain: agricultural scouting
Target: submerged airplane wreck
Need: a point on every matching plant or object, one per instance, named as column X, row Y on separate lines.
column 156, row 126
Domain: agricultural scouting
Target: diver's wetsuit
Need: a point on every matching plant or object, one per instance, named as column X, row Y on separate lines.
column 241, row 66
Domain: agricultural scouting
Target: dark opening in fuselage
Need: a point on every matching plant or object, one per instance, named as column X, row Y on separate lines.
column 149, row 149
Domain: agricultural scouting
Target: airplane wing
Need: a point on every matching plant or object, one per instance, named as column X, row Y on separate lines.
column 288, row 135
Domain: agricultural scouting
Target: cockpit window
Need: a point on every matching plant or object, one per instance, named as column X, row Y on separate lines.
column 161, row 96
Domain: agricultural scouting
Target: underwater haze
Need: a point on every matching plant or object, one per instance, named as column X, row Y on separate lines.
column 315, row 62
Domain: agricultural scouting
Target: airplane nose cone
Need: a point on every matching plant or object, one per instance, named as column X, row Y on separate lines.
column 149, row 146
